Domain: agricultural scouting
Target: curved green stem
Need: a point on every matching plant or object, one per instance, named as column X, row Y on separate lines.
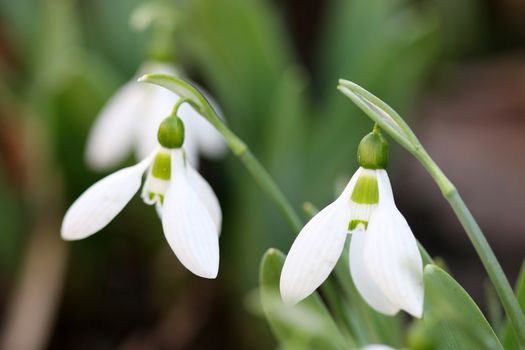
column 191, row 95
column 268, row 185
column 482, row 247
column 188, row 93
column 390, row 121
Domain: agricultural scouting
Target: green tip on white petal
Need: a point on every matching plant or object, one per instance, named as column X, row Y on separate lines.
column 366, row 190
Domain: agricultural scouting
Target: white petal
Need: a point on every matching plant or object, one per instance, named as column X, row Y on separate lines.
column 188, row 226
column 111, row 136
column 366, row 286
column 384, row 187
column 206, row 195
column 158, row 210
column 210, row 142
column 100, row 203
column 317, row 248
column 392, row 256
column 191, row 143
column 314, row 253
column 155, row 107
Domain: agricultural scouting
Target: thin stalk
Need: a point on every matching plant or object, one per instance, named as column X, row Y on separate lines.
column 482, row 247
column 336, row 307
column 272, row 190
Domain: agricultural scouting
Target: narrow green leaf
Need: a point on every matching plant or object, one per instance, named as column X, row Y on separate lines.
column 452, row 316
column 307, row 322
column 507, row 333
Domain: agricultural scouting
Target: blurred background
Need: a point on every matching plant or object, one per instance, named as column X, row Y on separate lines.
column 455, row 69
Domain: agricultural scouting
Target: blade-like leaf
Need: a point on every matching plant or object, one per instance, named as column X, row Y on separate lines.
column 452, row 316
column 507, row 333
column 308, row 321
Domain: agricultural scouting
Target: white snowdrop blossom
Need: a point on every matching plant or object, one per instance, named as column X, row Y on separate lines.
column 190, row 212
column 136, row 110
column 385, row 262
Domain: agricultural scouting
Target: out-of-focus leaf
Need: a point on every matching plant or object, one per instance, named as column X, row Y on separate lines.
column 369, row 325
column 494, row 308
column 508, row 336
column 241, row 48
column 452, row 316
column 108, row 31
column 387, row 46
column 10, row 217
column 305, row 323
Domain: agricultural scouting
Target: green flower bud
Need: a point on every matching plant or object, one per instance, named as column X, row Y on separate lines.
column 372, row 152
column 171, row 132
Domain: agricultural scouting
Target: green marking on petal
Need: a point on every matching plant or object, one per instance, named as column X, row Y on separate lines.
column 366, row 190
column 152, row 196
column 161, row 168
column 354, row 223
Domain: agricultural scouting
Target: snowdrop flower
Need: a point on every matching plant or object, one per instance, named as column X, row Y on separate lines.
column 136, row 110
column 385, row 262
column 189, row 210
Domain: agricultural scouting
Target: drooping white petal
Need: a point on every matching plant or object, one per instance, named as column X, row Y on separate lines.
column 316, row 249
column 391, row 254
column 191, row 140
column 314, row 253
column 100, row 203
column 202, row 137
column 112, row 135
column 211, row 142
column 156, row 106
column 206, row 195
column 188, row 226
column 367, row 288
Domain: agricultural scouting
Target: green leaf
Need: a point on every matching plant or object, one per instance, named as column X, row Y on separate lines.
column 451, row 316
column 307, row 322
column 507, row 333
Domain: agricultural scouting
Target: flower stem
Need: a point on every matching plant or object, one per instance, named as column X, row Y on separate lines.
column 482, row 247
column 266, row 182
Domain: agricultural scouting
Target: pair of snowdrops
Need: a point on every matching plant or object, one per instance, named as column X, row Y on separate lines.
column 385, row 263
